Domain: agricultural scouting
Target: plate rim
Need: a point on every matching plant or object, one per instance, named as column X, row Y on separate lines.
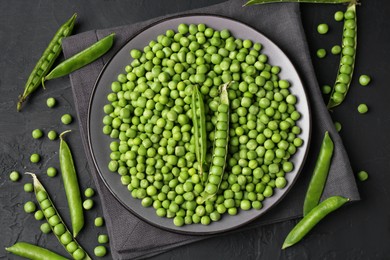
column 127, row 207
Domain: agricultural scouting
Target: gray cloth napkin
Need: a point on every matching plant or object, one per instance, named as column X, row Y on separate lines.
column 282, row 24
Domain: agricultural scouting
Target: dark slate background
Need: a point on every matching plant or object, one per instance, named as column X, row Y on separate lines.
column 359, row 231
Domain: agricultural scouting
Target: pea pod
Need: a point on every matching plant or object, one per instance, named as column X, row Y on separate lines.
column 320, row 174
column 71, row 185
column 254, row 2
column 347, row 61
column 218, row 163
column 82, row 58
column 55, row 221
column 199, row 122
column 313, row 218
column 46, row 61
column 33, row 252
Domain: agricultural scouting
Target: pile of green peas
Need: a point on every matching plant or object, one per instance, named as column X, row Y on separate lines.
column 150, row 119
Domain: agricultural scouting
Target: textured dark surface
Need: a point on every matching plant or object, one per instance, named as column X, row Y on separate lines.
column 359, row 231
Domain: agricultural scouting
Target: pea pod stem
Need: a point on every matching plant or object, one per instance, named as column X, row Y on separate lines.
column 199, row 121
column 82, row 58
column 320, row 174
column 71, row 185
column 312, row 219
column 33, row 252
column 46, row 61
column 38, row 187
column 254, row 2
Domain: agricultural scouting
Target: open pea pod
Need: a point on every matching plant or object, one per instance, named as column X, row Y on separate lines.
column 56, row 223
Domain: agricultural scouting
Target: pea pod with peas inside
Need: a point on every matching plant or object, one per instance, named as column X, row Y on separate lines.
column 46, row 61
column 221, row 140
column 33, row 252
column 71, row 185
column 82, row 58
column 55, row 221
column 313, row 218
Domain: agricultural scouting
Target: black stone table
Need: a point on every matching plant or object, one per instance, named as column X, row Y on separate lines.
column 360, row 231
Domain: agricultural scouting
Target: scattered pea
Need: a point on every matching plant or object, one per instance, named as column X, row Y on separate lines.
column 45, row 228
column 321, row 53
column 103, row 239
column 88, row 204
column 51, row 172
column 338, row 16
column 338, row 126
column 336, row 49
column 362, row 108
column 99, row 221
column 37, row 133
column 28, row 187
column 14, row 176
column 326, row 89
column 89, row 192
column 322, row 28
column 66, row 119
column 52, row 135
column 362, row 175
column 38, row 215
column 35, row 158
column 100, row 251
column 364, row 80
column 51, row 102
column 29, row 207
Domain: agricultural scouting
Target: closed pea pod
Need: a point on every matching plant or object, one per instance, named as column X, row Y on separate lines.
column 82, row 58
column 347, row 61
column 33, row 252
column 220, row 152
column 313, row 218
column 46, row 61
column 71, row 185
column 320, row 174
column 54, row 220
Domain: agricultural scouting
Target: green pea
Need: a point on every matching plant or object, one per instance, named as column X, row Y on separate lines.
column 321, row 53
column 99, row 221
column 88, row 204
column 338, row 126
column 14, row 176
column 52, row 135
column 100, row 251
column 28, row 187
column 364, row 80
column 326, row 89
column 66, row 119
column 89, row 192
column 29, row 207
column 35, row 158
column 362, row 108
column 362, row 175
column 322, row 28
column 102, row 239
column 37, row 133
column 336, row 49
column 45, row 228
column 38, row 215
column 51, row 172
column 338, row 16
column 51, row 102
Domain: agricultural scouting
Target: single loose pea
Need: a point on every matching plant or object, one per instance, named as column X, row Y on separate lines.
column 326, row 89
column 100, row 251
column 336, row 50
column 362, row 175
column 29, row 207
column 51, row 172
column 338, row 16
column 37, row 133
column 321, row 53
column 88, row 204
column 99, row 221
column 89, row 192
column 14, row 176
column 52, row 135
column 66, row 119
column 338, row 126
column 103, row 239
column 38, row 215
column 35, row 158
column 364, row 80
column 51, row 102
column 362, row 108
column 28, row 187
column 45, row 228
column 322, row 28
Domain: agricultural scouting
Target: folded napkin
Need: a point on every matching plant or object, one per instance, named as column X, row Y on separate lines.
column 282, row 24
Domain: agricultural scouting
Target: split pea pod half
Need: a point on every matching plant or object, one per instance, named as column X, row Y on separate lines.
column 33, row 252
column 199, row 122
column 347, row 61
column 255, row 2
column 71, row 185
column 220, row 151
column 82, row 58
column 320, row 174
column 313, row 218
column 46, row 61
column 56, row 223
